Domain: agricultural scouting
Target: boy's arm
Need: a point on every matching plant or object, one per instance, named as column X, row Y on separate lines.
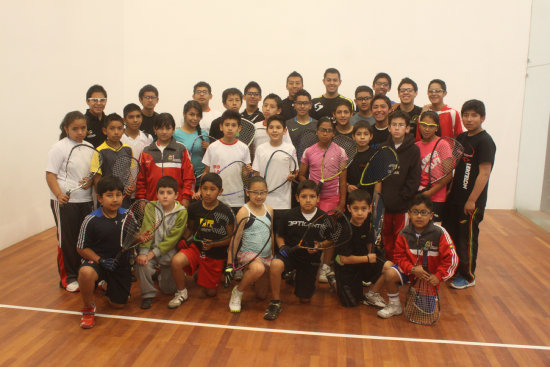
column 174, row 234
column 448, row 259
column 88, row 254
column 481, row 181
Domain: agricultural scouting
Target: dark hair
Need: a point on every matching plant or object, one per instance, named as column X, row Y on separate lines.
column 422, row 199
column 362, row 124
column 380, row 76
column 363, row 88
column 96, row 88
column 302, row 92
column 408, row 81
column 148, row 88
column 229, row 91
column 359, row 195
column 473, row 105
column 399, row 114
column 381, row 96
column 252, row 84
column 343, row 102
column 109, row 183
column 68, row 120
column 432, row 114
column 278, row 118
column 276, row 98
column 130, row 107
column 202, row 84
column 307, row 185
column 440, row 82
column 331, row 71
column 164, row 120
column 213, row 178
column 293, row 74
column 168, row 181
column 323, row 120
column 112, row 117
column 254, row 179
column 231, row 115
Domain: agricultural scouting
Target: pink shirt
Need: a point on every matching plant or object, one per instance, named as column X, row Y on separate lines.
column 425, row 156
column 335, row 160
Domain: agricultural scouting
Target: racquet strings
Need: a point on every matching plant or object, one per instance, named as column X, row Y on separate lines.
column 381, row 165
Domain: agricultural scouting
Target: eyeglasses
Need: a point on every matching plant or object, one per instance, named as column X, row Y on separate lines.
column 253, row 94
column 303, row 104
column 324, row 130
column 382, row 84
column 435, row 91
column 406, row 90
column 259, row 193
column 202, row 92
column 97, row 100
column 422, row 213
column 361, row 99
column 150, row 98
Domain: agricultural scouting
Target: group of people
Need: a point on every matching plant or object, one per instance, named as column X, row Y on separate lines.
column 179, row 168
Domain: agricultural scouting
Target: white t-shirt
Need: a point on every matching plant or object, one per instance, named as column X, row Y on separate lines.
column 57, row 164
column 138, row 144
column 217, row 156
column 207, row 118
column 261, row 136
column 278, row 170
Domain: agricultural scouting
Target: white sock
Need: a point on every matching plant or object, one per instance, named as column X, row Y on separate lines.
column 394, row 298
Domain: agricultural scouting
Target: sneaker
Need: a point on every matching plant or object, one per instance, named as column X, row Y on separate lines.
column 366, row 283
column 87, row 321
column 238, row 275
column 146, row 303
column 273, row 310
column 460, row 282
column 392, row 309
column 235, row 301
column 289, row 277
column 331, row 279
column 72, row 287
column 179, row 298
column 374, row 299
column 102, row 286
column 325, row 269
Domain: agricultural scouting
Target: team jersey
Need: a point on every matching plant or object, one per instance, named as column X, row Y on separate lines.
column 94, row 124
column 207, row 118
column 293, row 225
column 478, row 149
column 197, row 214
column 253, row 117
column 277, row 173
column 101, row 234
column 57, row 164
column 450, row 123
column 325, row 107
column 137, row 144
column 313, row 158
column 148, row 123
column 379, row 136
column 196, row 150
column 296, row 129
column 110, row 155
column 256, row 234
column 220, row 154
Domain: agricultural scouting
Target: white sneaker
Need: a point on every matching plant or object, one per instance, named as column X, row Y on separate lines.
column 374, row 299
column 179, row 298
column 72, row 287
column 325, row 269
column 235, row 301
column 392, row 309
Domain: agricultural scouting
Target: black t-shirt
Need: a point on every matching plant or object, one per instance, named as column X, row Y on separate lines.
column 288, row 110
column 215, row 131
column 360, row 239
column 478, row 149
column 95, row 134
column 324, row 107
column 356, row 168
column 101, row 234
column 296, row 129
column 293, row 225
column 414, row 115
column 213, row 227
column 147, row 124
column 379, row 137
column 255, row 116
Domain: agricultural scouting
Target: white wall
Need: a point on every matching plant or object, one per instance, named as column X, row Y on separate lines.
column 536, row 112
column 56, row 50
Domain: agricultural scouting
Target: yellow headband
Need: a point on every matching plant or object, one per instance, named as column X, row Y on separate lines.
column 428, row 124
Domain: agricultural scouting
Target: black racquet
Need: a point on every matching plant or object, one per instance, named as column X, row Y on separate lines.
column 126, row 168
column 377, row 217
column 279, row 170
column 445, row 155
column 242, row 252
column 139, row 224
column 247, row 133
column 329, row 230
column 215, row 227
column 235, row 177
column 307, row 139
column 380, row 166
column 82, row 165
column 422, row 302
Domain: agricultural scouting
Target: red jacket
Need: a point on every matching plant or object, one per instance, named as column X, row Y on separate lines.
column 442, row 257
column 173, row 161
column 450, row 123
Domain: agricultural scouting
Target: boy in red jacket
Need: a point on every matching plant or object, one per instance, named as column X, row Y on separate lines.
column 442, row 257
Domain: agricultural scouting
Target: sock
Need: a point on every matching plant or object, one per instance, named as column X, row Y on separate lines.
column 237, row 290
column 370, row 293
column 394, row 298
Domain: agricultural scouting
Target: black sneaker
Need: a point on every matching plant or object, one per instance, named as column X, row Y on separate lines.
column 146, row 303
column 273, row 310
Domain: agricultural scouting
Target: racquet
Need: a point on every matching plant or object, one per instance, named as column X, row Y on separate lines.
column 377, row 217
column 216, row 226
column 380, row 166
column 127, row 169
column 337, row 158
column 307, row 139
column 242, row 252
column 279, row 170
column 247, row 133
column 445, row 155
column 422, row 302
column 197, row 152
column 139, row 224
column 235, row 177
column 83, row 163
column 329, row 230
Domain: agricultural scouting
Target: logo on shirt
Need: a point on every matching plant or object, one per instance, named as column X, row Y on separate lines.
column 170, row 157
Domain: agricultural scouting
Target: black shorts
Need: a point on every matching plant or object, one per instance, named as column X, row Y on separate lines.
column 349, row 280
column 306, row 267
column 438, row 211
column 118, row 281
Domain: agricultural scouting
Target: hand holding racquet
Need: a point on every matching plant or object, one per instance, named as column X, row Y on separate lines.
column 82, row 165
column 380, row 166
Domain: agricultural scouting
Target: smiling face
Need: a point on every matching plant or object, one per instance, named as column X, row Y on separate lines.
column 332, row 83
column 275, row 130
column 257, row 192
column 302, row 105
column 436, row 93
column 342, row 115
column 97, row 103
column 407, row 94
column 192, row 118
column 381, row 86
column 380, row 111
column 293, row 85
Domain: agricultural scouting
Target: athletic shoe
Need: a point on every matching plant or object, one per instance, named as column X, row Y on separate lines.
column 331, row 278
column 374, row 299
column 179, row 298
column 460, row 282
column 392, row 309
column 325, row 270
column 146, row 303
column 72, row 287
column 235, row 301
column 366, row 283
column 87, row 321
column 289, row 277
column 102, row 286
column 273, row 310
column 238, row 275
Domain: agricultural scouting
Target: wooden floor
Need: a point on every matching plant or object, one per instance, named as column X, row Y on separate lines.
column 509, row 308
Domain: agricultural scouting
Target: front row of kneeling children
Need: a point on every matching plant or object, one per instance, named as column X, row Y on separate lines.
column 172, row 258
